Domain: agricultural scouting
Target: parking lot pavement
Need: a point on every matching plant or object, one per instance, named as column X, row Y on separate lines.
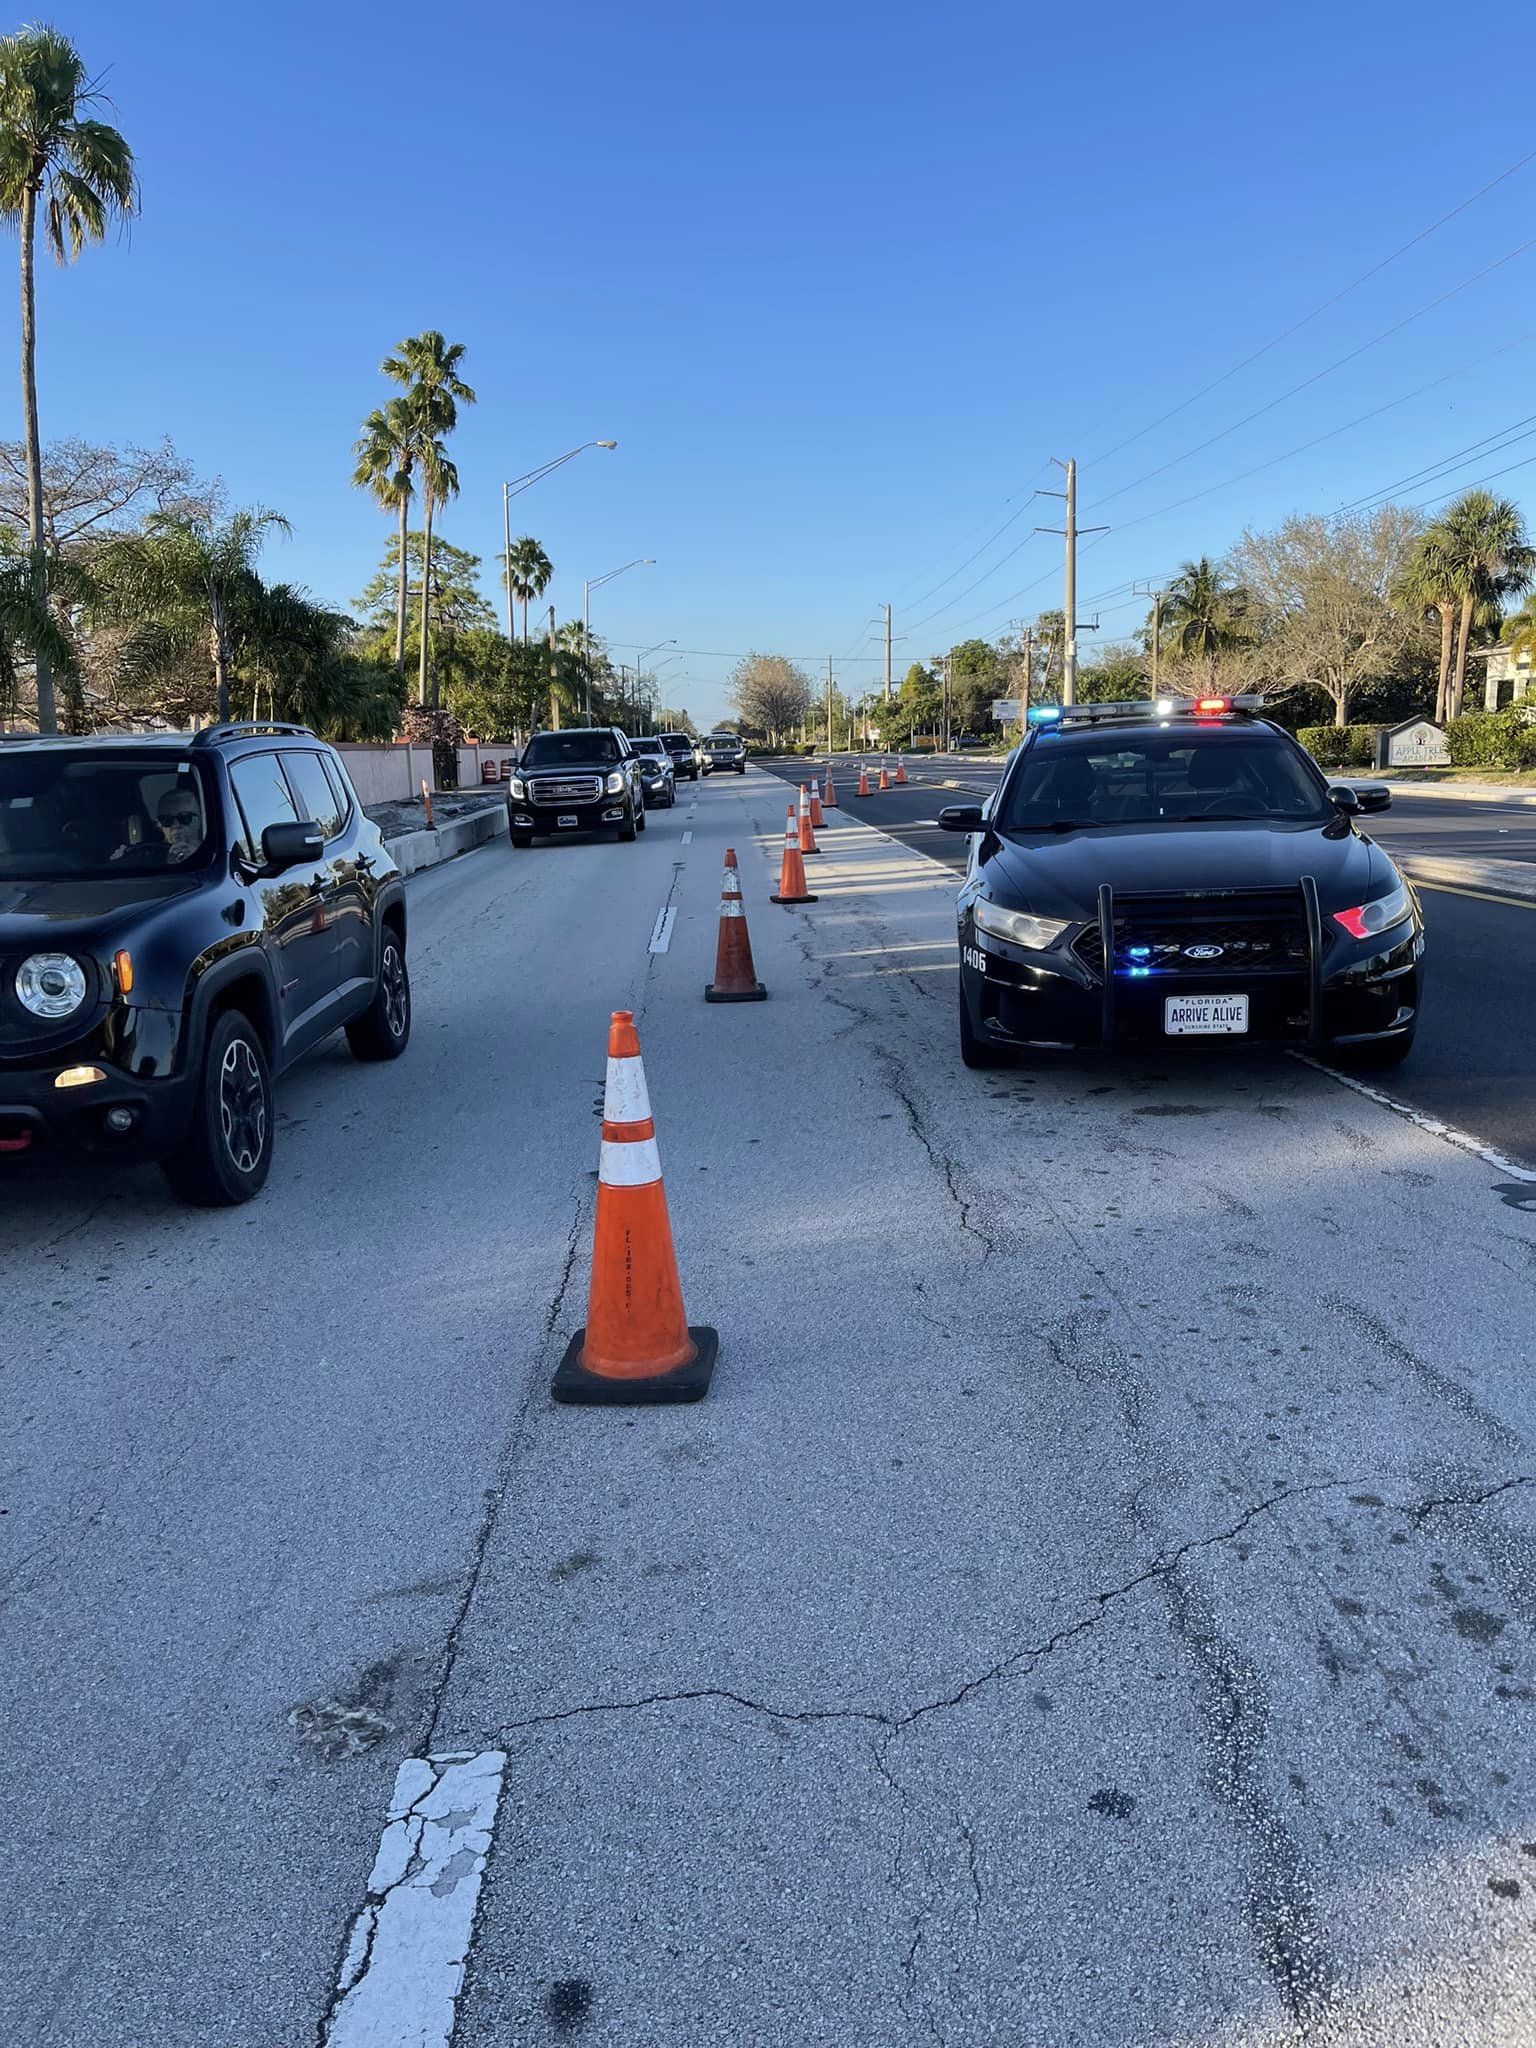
column 1094, row 1603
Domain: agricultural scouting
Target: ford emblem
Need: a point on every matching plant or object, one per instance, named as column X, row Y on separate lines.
column 1204, row 952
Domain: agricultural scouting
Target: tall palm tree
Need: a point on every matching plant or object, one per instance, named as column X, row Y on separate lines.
column 29, row 630
column 1485, row 540
column 181, row 579
column 428, row 366
column 1520, row 630
column 386, row 453
column 1433, row 583
column 528, row 574
column 79, row 173
column 1205, row 614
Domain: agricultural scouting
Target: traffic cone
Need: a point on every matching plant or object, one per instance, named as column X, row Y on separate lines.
column 901, row 774
column 637, row 1345
column 792, row 887
column 829, row 795
column 735, row 976
column 817, row 820
column 885, row 780
column 863, row 780
column 807, row 836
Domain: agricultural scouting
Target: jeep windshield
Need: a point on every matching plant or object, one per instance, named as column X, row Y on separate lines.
column 1161, row 778
column 570, row 749
column 64, row 815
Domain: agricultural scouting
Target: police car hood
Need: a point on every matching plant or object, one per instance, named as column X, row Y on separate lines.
column 1059, row 874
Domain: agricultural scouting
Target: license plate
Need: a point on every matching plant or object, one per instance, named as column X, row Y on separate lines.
column 1183, row 1014
column 565, row 818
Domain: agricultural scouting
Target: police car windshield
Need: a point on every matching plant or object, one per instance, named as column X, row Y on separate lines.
column 1160, row 778
column 569, row 749
column 65, row 815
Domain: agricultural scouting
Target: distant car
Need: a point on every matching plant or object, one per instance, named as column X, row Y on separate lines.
column 657, row 774
column 181, row 918
column 1151, row 874
column 685, row 760
column 582, row 779
column 722, row 750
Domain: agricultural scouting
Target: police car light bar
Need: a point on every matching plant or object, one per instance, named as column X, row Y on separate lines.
column 1141, row 707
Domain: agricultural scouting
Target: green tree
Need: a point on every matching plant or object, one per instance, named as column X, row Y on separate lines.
column 1205, row 614
column 182, row 579
column 527, row 574
column 770, row 692
column 78, row 173
column 458, row 604
column 428, row 367
column 29, row 629
column 386, row 453
column 1485, row 544
column 1431, row 587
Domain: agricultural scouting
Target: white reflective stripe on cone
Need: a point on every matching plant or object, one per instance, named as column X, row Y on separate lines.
column 632, row 1165
column 625, row 1100
column 729, row 909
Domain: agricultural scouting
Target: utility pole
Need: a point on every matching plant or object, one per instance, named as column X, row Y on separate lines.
column 1029, row 670
column 1157, row 596
column 887, row 610
column 554, row 694
column 506, row 559
column 829, row 703
column 1069, row 604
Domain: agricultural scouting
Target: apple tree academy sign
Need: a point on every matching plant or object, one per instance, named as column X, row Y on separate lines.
column 1416, row 743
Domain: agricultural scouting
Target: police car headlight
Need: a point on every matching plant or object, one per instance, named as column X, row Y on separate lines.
column 1364, row 920
column 615, row 783
column 1018, row 927
column 50, row 985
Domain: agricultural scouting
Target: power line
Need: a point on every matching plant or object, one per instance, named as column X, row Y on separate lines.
column 1012, row 520
column 1431, row 471
column 1306, row 318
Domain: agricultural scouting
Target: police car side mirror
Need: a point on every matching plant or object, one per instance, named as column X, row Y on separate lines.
column 1343, row 798
column 962, row 818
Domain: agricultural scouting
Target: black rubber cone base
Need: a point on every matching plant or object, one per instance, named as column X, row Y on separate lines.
column 793, row 899
column 572, row 1383
column 756, row 994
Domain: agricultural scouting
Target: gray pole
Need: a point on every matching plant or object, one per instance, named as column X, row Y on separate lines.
column 887, row 654
column 506, row 559
column 1069, row 609
column 554, row 699
column 586, row 641
column 1157, row 634
column 829, row 703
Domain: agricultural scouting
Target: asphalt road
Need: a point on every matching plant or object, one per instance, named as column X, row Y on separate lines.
column 1470, row 1064
column 1096, row 1602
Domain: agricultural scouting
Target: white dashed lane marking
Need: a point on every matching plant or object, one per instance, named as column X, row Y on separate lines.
column 404, row 1966
column 661, row 932
column 687, row 839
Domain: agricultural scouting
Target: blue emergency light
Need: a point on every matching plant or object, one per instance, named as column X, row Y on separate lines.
column 1044, row 714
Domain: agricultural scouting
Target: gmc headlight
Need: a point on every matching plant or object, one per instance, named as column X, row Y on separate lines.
column 51, row 985
column 518, row 787
column 1017, row 926
column 615, row 783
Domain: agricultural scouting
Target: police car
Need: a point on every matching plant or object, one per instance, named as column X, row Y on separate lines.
column 1178, row 872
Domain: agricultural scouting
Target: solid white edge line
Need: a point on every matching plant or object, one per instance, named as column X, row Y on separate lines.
column 661, row 932
column 404, row 1966
column 1432, row 1126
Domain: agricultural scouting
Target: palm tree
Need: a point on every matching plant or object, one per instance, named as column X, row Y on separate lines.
column 1433, row 584
column 1485, row 541
column 386, row 455
column 1205, row 614
column 31, row 631
column 80, row 173
column 428, row 366
column 181, row 579
column 528, row 573
column 1520, row 630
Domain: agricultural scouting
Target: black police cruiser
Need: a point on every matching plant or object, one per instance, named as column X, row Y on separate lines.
column 1179, row 872
column 181, row 917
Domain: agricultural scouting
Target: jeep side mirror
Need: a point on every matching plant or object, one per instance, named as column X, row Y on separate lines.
column 962, row 818
column 285, row 846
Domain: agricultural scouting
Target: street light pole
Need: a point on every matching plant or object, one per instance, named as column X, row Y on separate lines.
column 595, row 583
column 522, row 483
column 887, row 654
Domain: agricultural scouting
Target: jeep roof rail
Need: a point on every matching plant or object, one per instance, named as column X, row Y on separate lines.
column 231, row 728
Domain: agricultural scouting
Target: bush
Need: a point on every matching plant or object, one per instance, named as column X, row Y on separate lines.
column 1493, row 739
column 1340, row 746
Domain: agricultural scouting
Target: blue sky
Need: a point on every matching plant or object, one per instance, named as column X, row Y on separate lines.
column 839, row 279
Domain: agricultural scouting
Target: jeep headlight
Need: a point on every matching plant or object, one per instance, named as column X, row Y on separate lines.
column 1017, row 926
column 51, row 985
column 615, row 783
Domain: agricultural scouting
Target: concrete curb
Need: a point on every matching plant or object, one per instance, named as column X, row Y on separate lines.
column 413, row 851
column 1470, row 793
column 1497, row 877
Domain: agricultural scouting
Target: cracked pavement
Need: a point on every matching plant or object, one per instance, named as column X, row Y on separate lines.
column 1095, row 1602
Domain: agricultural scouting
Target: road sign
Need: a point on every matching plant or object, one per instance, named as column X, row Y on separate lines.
column 1005, row 710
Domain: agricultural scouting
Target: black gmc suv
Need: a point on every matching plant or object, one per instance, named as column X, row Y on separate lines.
column 581, row 779
column 181, row 917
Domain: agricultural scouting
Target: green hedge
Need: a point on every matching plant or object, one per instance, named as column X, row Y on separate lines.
column 1497, row 739
column 1340, row 746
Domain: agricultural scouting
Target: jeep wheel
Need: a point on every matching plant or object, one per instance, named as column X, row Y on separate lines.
column 225, row 1156
column 383, row 1031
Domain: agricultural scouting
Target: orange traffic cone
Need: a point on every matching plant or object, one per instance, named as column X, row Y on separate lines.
column 637, row 1345
column 829, row 795
column 792, row 887
column 901, row 774
column 817, row 820
column 885, row 780
column 807, row 836
column 863, row 780
column 735, row 976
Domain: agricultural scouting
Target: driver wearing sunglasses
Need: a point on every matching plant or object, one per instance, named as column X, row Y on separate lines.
column 179, row 816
